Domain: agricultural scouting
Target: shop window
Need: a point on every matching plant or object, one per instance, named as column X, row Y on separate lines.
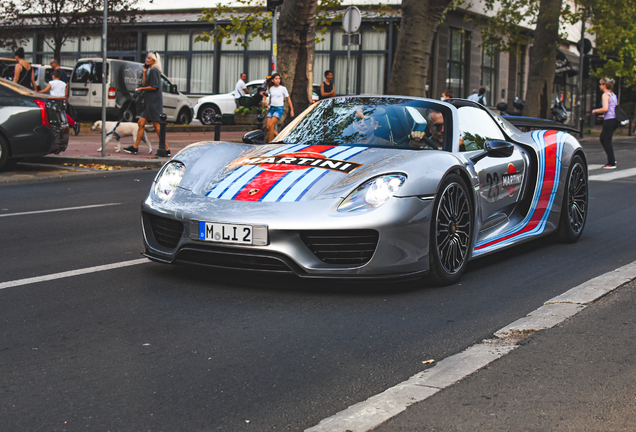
column 457, row 63
column 488, row 75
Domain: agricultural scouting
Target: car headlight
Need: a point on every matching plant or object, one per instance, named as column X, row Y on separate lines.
column 168, row 180
column 373, row 193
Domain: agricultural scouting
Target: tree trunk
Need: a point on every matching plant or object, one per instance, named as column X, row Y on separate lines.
column 420, row 19
column 542, row 60
column 296, row 48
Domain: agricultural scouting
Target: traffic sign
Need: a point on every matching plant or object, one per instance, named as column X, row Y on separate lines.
column 352, row 19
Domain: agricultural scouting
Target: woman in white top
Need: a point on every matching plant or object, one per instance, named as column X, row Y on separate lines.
column 277, row 96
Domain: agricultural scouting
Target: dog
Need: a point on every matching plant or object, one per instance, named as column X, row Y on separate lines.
column 123, row 130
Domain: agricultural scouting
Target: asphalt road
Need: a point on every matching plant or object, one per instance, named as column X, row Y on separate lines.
column 166, row 348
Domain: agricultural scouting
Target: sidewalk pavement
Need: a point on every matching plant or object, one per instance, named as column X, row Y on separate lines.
column 577, row 376
column 82, row 149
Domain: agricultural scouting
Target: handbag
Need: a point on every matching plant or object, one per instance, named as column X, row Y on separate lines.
column 621, row 116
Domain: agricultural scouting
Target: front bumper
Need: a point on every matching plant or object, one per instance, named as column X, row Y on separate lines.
column 401, row 227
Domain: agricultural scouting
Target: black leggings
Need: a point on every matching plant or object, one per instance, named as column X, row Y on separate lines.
column 609, row 126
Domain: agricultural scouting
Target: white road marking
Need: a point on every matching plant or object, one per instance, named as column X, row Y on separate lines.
column 592, row 167
column 58, row 210
column 71, row 273
column 369, row 414
column 614, row 175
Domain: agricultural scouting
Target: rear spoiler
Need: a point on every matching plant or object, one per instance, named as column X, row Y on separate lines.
column 530, row 123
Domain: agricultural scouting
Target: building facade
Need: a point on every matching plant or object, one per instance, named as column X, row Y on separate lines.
column 459, row 62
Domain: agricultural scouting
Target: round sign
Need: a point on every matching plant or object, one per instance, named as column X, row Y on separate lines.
column 352, row 19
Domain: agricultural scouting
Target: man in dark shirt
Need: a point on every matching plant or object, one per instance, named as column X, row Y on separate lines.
column 56, row 66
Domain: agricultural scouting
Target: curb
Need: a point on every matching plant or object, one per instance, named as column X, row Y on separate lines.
column 367, row 415
column 106, row 160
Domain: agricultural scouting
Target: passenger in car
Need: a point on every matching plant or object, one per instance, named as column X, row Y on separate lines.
column 365, row 126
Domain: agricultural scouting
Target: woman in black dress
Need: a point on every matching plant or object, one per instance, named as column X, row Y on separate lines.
column 23, row 71
column 154, row 100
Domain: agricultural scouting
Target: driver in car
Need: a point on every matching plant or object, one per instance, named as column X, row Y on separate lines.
column 418, row 137
column 365, row 126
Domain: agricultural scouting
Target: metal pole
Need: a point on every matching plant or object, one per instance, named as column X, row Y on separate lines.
column 349, row 48
column 274, row 39
column 579, row 96
column 104, row 76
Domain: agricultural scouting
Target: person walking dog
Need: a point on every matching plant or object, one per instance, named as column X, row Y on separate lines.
column 154, row 100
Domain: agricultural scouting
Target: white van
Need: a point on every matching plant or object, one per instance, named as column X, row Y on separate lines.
column 85, row 92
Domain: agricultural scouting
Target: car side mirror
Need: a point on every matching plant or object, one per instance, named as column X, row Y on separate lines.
column 173, row 89
column 254, row 137
column 495, row 148
column 502, row 106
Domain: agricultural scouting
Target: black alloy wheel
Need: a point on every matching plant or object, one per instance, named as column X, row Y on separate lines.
column 451, row 231
column 207, row 114
column 575, row 201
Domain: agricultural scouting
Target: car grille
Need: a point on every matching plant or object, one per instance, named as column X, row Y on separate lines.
column 342, row 246
column 167, row 232
column 232, row 259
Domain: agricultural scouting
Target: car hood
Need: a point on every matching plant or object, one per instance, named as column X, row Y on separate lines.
column 289, row 173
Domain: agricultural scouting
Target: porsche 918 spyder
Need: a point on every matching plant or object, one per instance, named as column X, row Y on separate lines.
column 368, row 187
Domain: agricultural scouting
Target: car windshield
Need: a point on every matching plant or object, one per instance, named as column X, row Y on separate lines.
column 372, row 121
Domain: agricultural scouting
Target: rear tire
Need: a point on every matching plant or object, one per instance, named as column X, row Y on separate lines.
column 4, row 153
column 207, row 113
column 128, row 115
column 184, row 117
column 575, row 201
column 451, row 238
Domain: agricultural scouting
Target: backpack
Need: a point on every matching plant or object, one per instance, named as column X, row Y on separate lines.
column 621, row 116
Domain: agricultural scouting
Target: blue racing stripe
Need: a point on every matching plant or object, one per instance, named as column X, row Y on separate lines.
column 238, row 175
column 306, row 182
column 284, row 184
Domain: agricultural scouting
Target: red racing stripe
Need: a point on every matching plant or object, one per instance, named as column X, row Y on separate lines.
column 546, row 189
column 263, row 182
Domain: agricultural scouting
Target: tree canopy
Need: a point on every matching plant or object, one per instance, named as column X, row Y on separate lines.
column 63, row 19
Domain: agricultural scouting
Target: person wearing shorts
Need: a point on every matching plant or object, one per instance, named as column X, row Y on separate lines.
column 277, row 96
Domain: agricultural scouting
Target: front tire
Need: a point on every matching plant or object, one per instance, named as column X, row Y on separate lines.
column 575, row 201
column 451, row 238
column 207, row 114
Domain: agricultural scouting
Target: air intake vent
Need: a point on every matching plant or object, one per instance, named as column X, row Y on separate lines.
column 167, row 232
column 232, row 259
column 342, row 246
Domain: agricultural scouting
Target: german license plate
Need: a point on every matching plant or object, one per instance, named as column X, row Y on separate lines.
column 225, row 233
column 80, row 92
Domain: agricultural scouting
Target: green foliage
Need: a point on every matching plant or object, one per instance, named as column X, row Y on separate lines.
column 249, row 19
column 505, row 23
column 250, row 110
column 614, row 24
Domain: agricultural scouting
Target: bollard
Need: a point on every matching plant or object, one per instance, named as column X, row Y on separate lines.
column 217, row 127
column 161, row 151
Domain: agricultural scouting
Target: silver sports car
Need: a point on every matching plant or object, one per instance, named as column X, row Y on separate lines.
column 368, row 187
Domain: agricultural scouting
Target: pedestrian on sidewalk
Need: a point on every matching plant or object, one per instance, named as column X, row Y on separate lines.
column 23, row 74
column 277, row 96
column 241, row 89
column 609, row 119
column 56, row 86
column 327, row 88
column 448, row 94
column 151, row 82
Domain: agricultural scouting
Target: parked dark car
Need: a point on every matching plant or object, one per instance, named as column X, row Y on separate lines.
column 31, row 124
